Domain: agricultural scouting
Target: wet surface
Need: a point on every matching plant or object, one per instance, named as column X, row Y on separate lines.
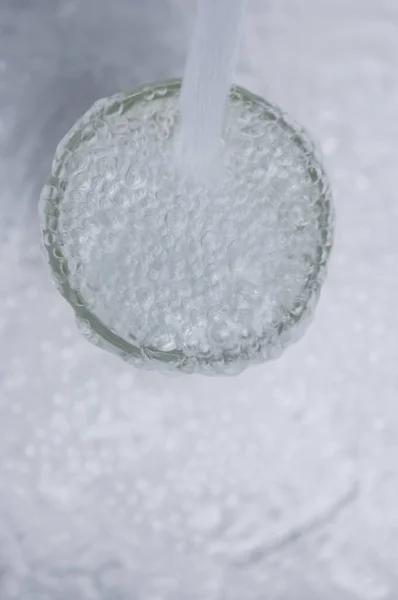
column 280, row 484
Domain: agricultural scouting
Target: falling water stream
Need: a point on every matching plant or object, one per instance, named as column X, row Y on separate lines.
column 207, row 79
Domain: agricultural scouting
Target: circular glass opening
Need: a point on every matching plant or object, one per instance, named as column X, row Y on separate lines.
column 174, row 272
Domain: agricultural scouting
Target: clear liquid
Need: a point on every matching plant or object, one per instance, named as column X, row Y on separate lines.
column 207, row 79
column 213, row 274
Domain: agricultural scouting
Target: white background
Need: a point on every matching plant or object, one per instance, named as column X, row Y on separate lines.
column 98, row 462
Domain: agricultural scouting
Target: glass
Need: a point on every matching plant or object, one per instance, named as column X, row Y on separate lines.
column 289, row 318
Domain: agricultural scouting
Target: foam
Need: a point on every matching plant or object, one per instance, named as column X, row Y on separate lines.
column 199, row 275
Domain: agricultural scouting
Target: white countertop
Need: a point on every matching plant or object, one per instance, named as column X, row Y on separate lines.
column 116, row 483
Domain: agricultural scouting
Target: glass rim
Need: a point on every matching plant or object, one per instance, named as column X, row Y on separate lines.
column 122, row 102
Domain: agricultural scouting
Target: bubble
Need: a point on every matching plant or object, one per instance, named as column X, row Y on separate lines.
column 151, row 252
